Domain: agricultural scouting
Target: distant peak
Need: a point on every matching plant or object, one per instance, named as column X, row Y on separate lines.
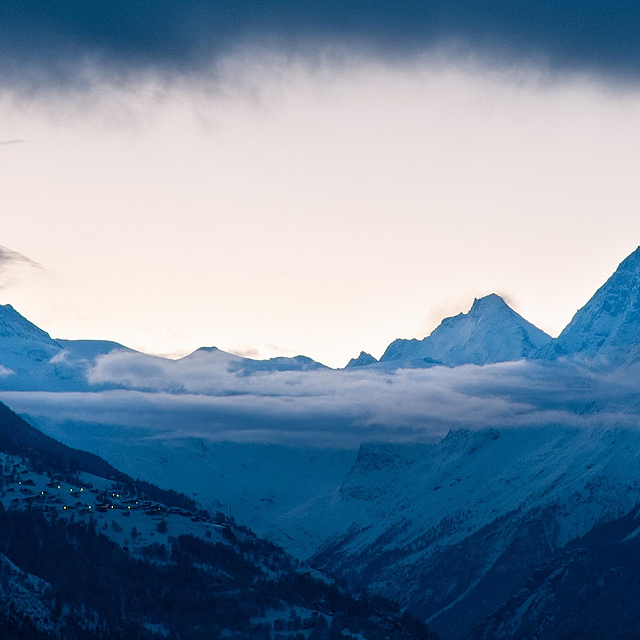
column 202, row 351
column 631, row 262
column 15, row 325
column 609, row 324
column 362, row 360
column 487, row 303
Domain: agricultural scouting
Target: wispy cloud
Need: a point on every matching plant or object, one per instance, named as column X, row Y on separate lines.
column 10, row 261
column 9, row 257
column 245, row 352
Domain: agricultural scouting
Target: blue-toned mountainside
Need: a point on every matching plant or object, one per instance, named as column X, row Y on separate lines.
column 363, row 360
column 587, row 589
column 24, row 347
column 490, row 332
column 454, row 530
column 31, row 359
column 247, row 366
column 88, row 553
column 608, row 326
column 14, row 327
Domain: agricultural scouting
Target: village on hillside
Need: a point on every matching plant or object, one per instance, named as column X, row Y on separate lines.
column 132, row 520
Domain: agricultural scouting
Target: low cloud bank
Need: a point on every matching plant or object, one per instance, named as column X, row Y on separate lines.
column 216, row 397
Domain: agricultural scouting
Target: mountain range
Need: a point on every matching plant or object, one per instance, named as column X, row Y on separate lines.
column 503, row 528
column 607, row 328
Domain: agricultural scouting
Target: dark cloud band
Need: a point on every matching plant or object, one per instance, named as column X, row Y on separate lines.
column 45, row 41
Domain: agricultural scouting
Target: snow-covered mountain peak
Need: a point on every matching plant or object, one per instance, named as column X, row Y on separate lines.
column 609, row 324
column 240, row 364
column 492, row 303
column 14, row 325
column 490, row 331
column 362, row 360
column 202, row 351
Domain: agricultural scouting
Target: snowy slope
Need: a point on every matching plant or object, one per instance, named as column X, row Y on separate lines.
column 23, row 346
column 586, row 590
column 430, row 526
column 15, row 326
column 490, row 332
column 240, row 364
column 363, row 360
column 91, row 349
column 23, row 599
column 608, row 326
column 31, row 360
column 451, row 529
column 257, row 482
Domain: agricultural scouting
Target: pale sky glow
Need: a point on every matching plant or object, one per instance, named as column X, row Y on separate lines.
column 289, row 208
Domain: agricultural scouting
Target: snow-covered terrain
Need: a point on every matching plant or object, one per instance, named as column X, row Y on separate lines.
column 22, row 597
column 31, row 359
column 430, row 525
column 25, row 350
column 129, row 520
column 490, row 332
column 362, row 360
column 608, row 326
column 257, row 483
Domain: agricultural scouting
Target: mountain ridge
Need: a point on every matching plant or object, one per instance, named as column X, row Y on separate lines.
column 491, row 331
column 608, row 325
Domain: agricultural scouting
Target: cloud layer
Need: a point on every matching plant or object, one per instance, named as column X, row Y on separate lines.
column 214, row 399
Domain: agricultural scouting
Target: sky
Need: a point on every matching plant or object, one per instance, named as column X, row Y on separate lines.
column 277, row 178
